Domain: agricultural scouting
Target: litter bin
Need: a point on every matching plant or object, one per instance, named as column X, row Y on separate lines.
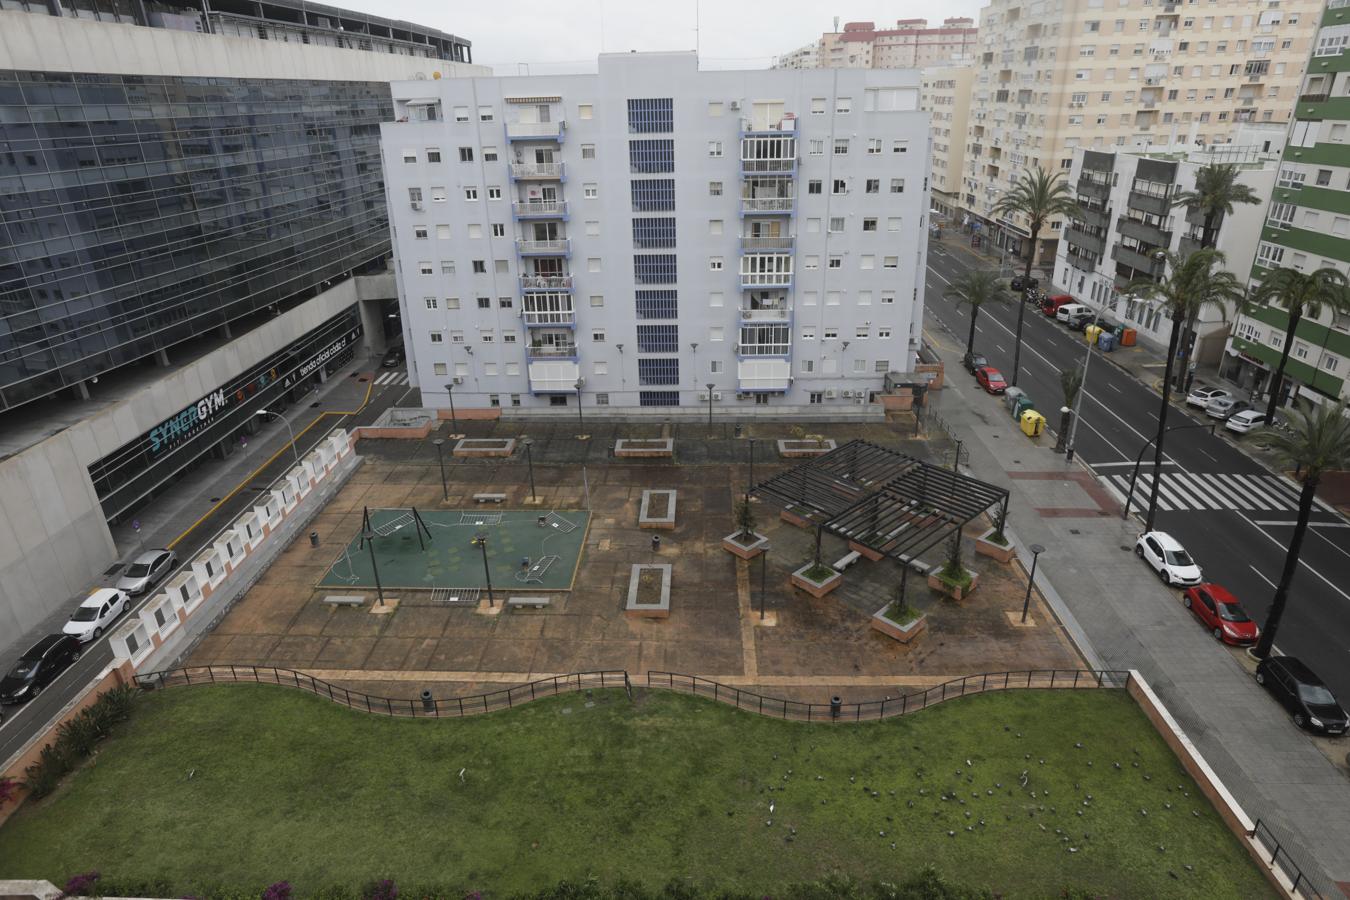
column 1033, row 423
column 1023, row 405
column 1092, row 333
column 1011, row 397
column 1127, row 337
column 1107, row 342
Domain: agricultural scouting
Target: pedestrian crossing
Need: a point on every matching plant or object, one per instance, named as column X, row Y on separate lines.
column 390, row 379
column 1203, row 491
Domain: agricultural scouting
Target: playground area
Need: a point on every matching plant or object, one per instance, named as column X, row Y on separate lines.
column 437, row 550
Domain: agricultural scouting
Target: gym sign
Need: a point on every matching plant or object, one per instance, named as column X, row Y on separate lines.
column 186, row 423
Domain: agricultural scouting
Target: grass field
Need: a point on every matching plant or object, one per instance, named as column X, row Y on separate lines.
column 245, row 785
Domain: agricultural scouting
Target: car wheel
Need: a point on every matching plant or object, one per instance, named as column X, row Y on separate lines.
column 1218, row 635
column 1186, row 601
column 126, row 607
column 1299, row 720
column 1260, row 678
column 36, row 689
column 98, row 633
column 1139, row 551
column 1166, row 579
column 75, row 656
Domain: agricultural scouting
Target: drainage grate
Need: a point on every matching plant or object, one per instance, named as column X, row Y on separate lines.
column 1074, row 531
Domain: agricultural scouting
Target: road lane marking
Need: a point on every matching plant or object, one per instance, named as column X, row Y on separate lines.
column 1301, row 562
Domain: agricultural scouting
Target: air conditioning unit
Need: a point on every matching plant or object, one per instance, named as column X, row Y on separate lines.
column 861, row 401
column 458, row 379
column 735, row 105
column 717, row 395
column 416, row 204
column 703, row 395
column 742, row 396
column 829, row 393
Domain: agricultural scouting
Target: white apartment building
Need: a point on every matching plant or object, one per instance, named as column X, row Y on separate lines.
column 945, row 95
column 911, row 44
column 656, row 235
column 1055, row 75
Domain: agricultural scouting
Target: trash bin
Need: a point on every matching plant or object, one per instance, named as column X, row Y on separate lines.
column 1033, row 423
column 1127, row 337
column 1107, row 342
column 1024, row 405
column 1093, row 332
column 1010, row 399
column 314, row 539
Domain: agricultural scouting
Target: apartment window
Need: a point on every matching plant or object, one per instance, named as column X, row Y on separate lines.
column 505, row 302
column 808, row 334
column 485, row 114
column 600, row 368
column 465, row 154
column 654, row 195
column 883, row 333
column 652, row 233
column 433, row 155
column 420, row 232
column 873, row 185
column 900, row 146
column 816, row 146
column 813, row 226
column 461, row 114
column 716, row 367
column 598, row 335
column 585, row 111
column 715, row 108
column 869, row 224
column 447, row 266
column 475, row 231
column 431, row 302
column 443, row 232
column 865, row 297
column 843, row 105
column 1323, row 177
column 714, row 189
column 811, row 298
column 489, row 154
column 439, row 369
column 811, row 262
column 873, row 146
column 470, row 194
column 897, row 185
column 590, row 191
column 654, row 268
column 715, row 299
column 658, row 338
column 657, row 304
column 715, row 264
column 836, row 224
column 479, row 267
column 648, row 116
column 890, row 262
column 869, row 261
column 436, row 337
column 714, row 226
column 1269, row 256
column 649, row 156
column 498, row 230
column 588, row 151
column 813, row 186
column 840, row 186
column 494, row 193
column 485, row 303
column 862, row 332
column 840, row 146
column 438, row 194
column 715, row 148
column 410, row 156
column 593, row 264
column 425, row 268
column 457, row 337
column 834, row 298
column 658, row 371
column 835, row 262
column 593, row 228
column 830, row 334
column 597, row 300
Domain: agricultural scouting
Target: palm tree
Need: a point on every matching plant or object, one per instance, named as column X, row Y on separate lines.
column 1316, row 441
column 1070, row 382
column 1302, row 294
column 1217, row 189
column 975, row 289
column 1038, row 196
column 1196, row 281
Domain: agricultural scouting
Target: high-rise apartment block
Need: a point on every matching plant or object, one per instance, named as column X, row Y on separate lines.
column 655, row 235
column 1056, row 75
column 946, row 97
column 1307, row 227
column 911, row 44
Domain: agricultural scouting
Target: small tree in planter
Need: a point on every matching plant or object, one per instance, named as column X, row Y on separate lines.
column 745, row 520
column 897, row 619
column 816, row 578
column 745, row 542
column 994, row 543
column 954, row 579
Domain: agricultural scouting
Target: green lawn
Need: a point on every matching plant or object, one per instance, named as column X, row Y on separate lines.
column 247, row 784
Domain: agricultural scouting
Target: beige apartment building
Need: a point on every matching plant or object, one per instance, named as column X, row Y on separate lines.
column 1056, row 75
column 911, row 44
column 945, row 93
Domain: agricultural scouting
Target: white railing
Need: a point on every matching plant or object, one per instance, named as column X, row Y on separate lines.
column 769, row 314
column 535, row 129
column 768, row 165
column 550, row 317
column 763, row 349
column 540, row 208
column 766, row 243
column 559, row 246
column 546, row 282
column 766, row 279
column 768, row 204
column 536, row 170
column 552, row 351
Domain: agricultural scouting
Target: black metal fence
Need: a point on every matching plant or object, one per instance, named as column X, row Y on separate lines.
column 425, row 706
column 1280, row 858
column 781, row 708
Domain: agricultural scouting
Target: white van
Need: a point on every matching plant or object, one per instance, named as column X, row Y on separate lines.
column 1070, row 311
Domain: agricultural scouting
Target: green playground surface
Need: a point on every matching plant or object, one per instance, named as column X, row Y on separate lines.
column 522, row 553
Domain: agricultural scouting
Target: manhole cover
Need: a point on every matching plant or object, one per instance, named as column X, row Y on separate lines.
column 1074, row 531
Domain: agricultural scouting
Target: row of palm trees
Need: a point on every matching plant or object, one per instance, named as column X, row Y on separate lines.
column 1315, row 440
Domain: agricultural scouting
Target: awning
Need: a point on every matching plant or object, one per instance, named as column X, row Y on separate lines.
column 533, row 99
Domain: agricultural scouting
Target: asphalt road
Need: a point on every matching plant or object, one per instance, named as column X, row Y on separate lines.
column 1234, row 516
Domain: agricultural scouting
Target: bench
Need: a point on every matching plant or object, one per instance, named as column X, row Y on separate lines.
column 847, row 560
column 345, row 599
column 536, row 602
column 489, row 498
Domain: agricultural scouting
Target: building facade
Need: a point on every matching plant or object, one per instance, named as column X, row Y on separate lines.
column 1056, row 75
column 946, row 97
column 911, row 44
column 1128, row 216
column 1307, row 227
column 659, row 236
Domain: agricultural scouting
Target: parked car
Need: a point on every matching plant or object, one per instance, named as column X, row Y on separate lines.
column 393, row 357
column 1245, row 421
column 96, row 613
column 991, row 379
column 1079, row 321
column 1201, row 396
column 38, row 668
column 1052, row 305
column 974, row 361
column 146, row 571
column 1168, row 558
column 1221, row 612
column 1223, row 407
column 1070, row 309
column 1306, row 696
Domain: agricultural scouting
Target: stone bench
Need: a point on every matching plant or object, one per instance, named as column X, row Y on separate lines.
column 846, row 560
column 489, row 498
column 345, row 599
column 536, row 602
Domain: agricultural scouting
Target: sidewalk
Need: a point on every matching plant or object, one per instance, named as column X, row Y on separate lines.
column 1130, row 620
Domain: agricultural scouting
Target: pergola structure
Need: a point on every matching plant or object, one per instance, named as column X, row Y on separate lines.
column 890, row 503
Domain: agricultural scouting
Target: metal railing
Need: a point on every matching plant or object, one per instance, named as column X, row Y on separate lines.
column 428, row 707
column 549, row 317
column 768, row 166
column 540, row 208
column 561, row 246
column 771, row 314
column 546, row 282
column 752, row 244
column 551, row 351
column 1279, row 858
column 515, row 130
column 768, row 204
column 536, row 170
column 766, row 279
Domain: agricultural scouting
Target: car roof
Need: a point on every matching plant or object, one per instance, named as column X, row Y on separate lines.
column 990, row 370
column 1296, row 667
column 149, row 556
column 1220, row 593
column 39, row 650
column 1165, row 540
column 1250, row 414
column 100, row 597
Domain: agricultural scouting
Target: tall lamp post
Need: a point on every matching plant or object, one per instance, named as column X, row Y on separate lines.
column 1152, row 513
column 1036, row 551
column 440, row 461
column 581, row 422
column 480, row 541
column 369, row 535
column 294, row 449
column 751, row 483
column 450, row 392
column 710, row 392
column 529, row 462
column 1078, row 400
column 763, row 568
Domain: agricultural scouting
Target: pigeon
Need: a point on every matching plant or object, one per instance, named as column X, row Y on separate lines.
column 1073, row 849
column 968, row 763
column 771, row 806
column 951, row 834
column 768, row 823
column 1079, row 745
column 1143, row 812
column 1188, row 867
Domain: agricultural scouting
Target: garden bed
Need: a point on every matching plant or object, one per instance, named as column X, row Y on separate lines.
column 956, row 589
column 484, row 447
column 987, row 545
column 649, row 591
column 817, row 580
column 799, row 448
column 657, row 510
column 904, row 629
column 644, row 447
column 736, row 544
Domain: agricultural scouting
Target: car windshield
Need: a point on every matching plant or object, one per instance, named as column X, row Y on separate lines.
column 24, row 670
column 85, row 614
column 138, row 570
column 1177, row 558
column 1315, row 695
column 1231, row 612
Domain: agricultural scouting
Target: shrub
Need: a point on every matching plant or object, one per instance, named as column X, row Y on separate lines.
column 9, row 788
column 819, row 572
column 281, row 890
column 745, row 520
column 80, row 735
column 81, row 885
column 53, row 763
column 380, row 890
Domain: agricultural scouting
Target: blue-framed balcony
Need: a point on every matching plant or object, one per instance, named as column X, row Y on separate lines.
column 540, row 209
column 549, row 318
column 538, row 171
column 552, row 350
column 777, row 205
column 777, row 274
column 785, row 127
column 767, row 244
column 777, row 350
column 764, row 314
column 536, row 131
column 531, row 283
column 560, row 247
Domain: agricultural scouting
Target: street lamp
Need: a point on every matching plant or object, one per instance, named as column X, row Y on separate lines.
column 710, row 392
column 1078, row 400
column 529, row 461
column 1036, row 551
column 480, row 541
column 369, row 535
column 763, row 567
column 581, row 422
column 450, row 392
column 751, row 483
column 294, row 449
column 440, row 460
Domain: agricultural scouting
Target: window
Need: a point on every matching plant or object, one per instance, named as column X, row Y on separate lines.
column 840, row 146
column 443, row 234
column 714, row 263
column 817, row 106
column 873, row 146
column 859, row 366
column 834, row 298
column 835, row 262
column 648, row 116
column 593, row 228
column 715, row 107
column 585, row 111
column 600, row 368
column 494, row 193
column 466, row 154
column 808, row 334
column 714, row 226
column 1269, row 255
column 597, row 300
column 868, row 261
column 598, row 335
column 830, row 334
column 890, row 262
column 657, row 304
column 716, row 367
column 498, row 230
column 864, row 298
column 654, row 268
column 873, row 185
column 425, row 268
column 601, row 399
column 816, row 146
column 653, row 233
column 593, row 264
column 658, row 398
column 658, row 338
column 475, row 231
column 489, row 154
column 438, row 194
column 648, row 156
column 435, row 337
column 588, row 151
column 461, row 114
column 439, row 369
column 410, row 156
column 900, row 146
column 840, row 186
column 505, row 302
column 715, row 148
column 485, row 303
column 590, row 191
column 813, row 225
column 897, row 185
column 433, row 155
column 457, row 337
column 813, row 186
column 658, row 371
column 491, row 369
column 653, row 195
column 862, row 332
column 1323, row 177
column 479, row 267
column 470, row 194
column 485, row 114
column 811, row 262
column 420, row 232
column 836, row 224
column 843, row 105
column 431, row 302
column 883, row 333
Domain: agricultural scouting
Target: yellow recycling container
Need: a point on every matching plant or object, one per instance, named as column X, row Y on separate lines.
column 1092, row 332
column 1033, row 423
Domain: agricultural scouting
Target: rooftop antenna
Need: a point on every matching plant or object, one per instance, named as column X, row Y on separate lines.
column 836, row 24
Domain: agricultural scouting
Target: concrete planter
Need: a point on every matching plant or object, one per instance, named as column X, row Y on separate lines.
column 984, row 546
column 790, row 517
column 815, row 588
column 484, row 447
column 648, row 603
column 732, row 544
column 648, row 448
column 866, row 552
column 799, row 449
column 955, row 593
column 902, row 632
column 657, row 510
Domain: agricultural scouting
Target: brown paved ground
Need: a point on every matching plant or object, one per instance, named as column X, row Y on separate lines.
column 817, row 647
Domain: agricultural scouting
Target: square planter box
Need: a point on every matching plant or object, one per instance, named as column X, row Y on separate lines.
column 642, row 606
column 902, row 633
column 732, row 544
column 866, row 552
column 816, row 589
column 657, row 510
column 481, row 447
column 986, row 547
column 939, row 585
column 790, row 517
column 649, row 448
column 799, row 448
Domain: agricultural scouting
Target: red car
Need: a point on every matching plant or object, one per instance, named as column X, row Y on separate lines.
column 991, row 379
column 1221, row 612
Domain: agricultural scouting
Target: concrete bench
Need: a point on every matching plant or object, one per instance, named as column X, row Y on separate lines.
column 489, row 498
column 344, row 599
column 536, row 602
column 847, row 560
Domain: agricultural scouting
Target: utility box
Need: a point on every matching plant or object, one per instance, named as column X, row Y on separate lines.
column 1033, row 423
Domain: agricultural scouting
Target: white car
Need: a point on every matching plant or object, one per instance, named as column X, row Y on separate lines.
column 145, row 571
column 1202, row 395
column 1168, row 558
column 1245, row 421
column 96, row 613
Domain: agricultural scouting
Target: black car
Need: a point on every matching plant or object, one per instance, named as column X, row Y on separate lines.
column 973, row 361
column 38, row 668
column 1307, row 698
column 393, row 358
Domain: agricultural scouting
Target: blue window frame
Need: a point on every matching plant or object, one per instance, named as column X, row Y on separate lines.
column 652, row 155
column 652, row 233
column 654, row 195
column 659, row 371
column 654, row 268
column 658, row 398
column 658, row 338
column 657, row 304
column 651, row 116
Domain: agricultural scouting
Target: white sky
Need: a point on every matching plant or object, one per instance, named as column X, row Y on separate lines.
column 565, row 35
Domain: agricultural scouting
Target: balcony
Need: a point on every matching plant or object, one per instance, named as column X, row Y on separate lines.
column 1091, row 242
column 551, row 351
column 540, row 209
column 783, row 206
column 1137, row 261
column 781, row 313
column 552, row 318
column 561, row 247
column 1141, row 231
column 1097, row 218
column 538, row 172
column 766, row 271
column 767, row 244
column 1100, row 190
column 546, row 282
column 554, row 376
column 782, row 349
column 1148, row 203
column 1187, row 245
column 535, row 131
column 1313, row 98
column 786, row 125
column 768, row 166
column 763, row 374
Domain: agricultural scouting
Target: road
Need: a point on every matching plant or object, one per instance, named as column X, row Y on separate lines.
column 1233, row 515
column 239, row 491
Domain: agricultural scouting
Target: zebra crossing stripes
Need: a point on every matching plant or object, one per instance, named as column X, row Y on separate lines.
column 388, row 379
column 1203, row 491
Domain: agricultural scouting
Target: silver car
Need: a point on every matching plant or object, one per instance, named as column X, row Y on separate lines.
column 1223, row 407
column 146, row 571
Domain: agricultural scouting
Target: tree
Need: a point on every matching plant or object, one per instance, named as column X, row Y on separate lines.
column 1216, row 191
column 745, row 520
column 1301, row 294
column 1317, row 440
column 1194, row 282
column 1038, row 196
column 1070, row 382
column 974, row 289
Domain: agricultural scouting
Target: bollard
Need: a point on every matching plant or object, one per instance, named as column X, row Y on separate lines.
column 314, row 539
column 836, row 707
column 656, row 542
column 427, row 703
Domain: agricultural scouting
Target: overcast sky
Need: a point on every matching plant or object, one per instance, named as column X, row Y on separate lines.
column 565, row 35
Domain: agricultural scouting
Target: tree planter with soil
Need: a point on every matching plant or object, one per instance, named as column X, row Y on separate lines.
column 899, row 621
column 817, row 579
column 745, row 546
column 955, row 583
column 995, row 545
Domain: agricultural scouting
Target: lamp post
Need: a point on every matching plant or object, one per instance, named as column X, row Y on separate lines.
column 440, row 461
column 294, row 449
column 751, row 483
column 1036, row 551
column 763, row 568
column 581, row 422
column 450, row 392
column 1152, row 513
column 710, row 392
column 480, row 541
column 1078, row 400
column 529, row 462
column 369, row 536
